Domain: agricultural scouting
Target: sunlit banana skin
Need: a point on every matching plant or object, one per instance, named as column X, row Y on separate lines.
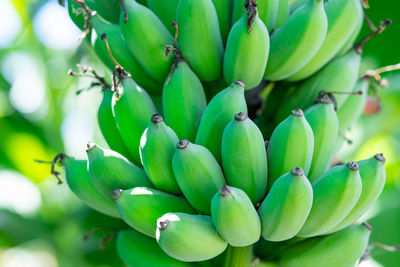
column 343, row 17
column 132, row 109
column 199, row 38
column 165, row 11
column 325, row 125
column 198, row 174
column 246, row 52
column 138, row 250
column 244, row 158
column 291, row 144
column 140, row 207
column 373, row 177
column 267, row 11
column 350, row 42
column 235, row 217
column 108, row 9
column 295, row 43
column 147, row 38
column 189, row 237
column 78, row 180
column 157, row 147
column 283, row 12
column 343, row 248
column 184, row 101
column 109, row 170
column 336, row 193
column 286, row 207
column 219, row 112
column 224, row 12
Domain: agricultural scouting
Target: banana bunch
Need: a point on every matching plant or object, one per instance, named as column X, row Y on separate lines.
column 189, row 169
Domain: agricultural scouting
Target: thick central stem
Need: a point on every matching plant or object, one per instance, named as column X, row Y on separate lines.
column 238, row 257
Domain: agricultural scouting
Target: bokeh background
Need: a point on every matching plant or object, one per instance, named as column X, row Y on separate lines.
column 41, row 223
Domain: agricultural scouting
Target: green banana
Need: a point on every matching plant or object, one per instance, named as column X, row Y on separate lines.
column 336, row 193
column 373, row 177
column 350, row 42
column 283, row 12
column 157, row 147
column 236, row 257
column 109, row 170
column 189, row 237
column 297, row 4
column 147, row 37
column 343, row 17
column 108, row 126
column 295, row 43
column 224, row 12
column 140, row 207
column 138, row 250
column 247, row 49
column 198, row 174
column 244, row 155
column 235, row 217
column 183, row 100
column 132, row 109
column 165, row 10
column 267, row 11
column 325, row 125
column 291, row 144
column 343, row 248
column 286, row 207
column 78, row 181
column 107, row 9
column 199, row 38
column 219, row 112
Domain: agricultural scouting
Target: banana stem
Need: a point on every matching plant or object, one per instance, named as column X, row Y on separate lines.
column 238, row 257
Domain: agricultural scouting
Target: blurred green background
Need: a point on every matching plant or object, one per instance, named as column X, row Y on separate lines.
column 41, row 223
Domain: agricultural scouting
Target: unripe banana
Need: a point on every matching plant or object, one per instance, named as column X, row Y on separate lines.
column 199, row 38
column 184, row 101
column 297, row 4
column 235, row 217
column 343, row 248
column 247, row 49
column 165, row 11
column 343, row 17
column 283, row 12
column 132, row 108
column 373, row 177
column 108, row 126
column 140, row 207
column 109, row 170
column 350, row 42
column 295, row 43
column 224, row 12
column 108, row 9
column 244, row 158
column 138, row 250
column 325, row 125
column 157, row 146
column 286, row 207
column 198, row 174
column 267, row 11
column 236, row 257
column 336, row 193
column 147, row 37
column 189, row 237
column 219, row 112
column 291, row 144
column 80, row 184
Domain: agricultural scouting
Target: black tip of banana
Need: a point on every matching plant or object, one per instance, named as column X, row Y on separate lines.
column 116, row 194
column 182, row 144
column 297, row 171
column 367, row 225
column 352, row 165
column 298, row 112
column 225, row 191
column 380, row 157
column 240, row 116
column 156, row 118
column 90, row 146
column 241, row 83
column 162, row 225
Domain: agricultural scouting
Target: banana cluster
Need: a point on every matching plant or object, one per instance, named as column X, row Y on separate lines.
column 188, row 169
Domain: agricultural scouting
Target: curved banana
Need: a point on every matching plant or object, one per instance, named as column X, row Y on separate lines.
column 283, row 12
column 336, row 193
column 78, row 181
column 147, row 38
column 138, row 250
column 297, row 4
column 291, row 144
column 109, row 170
column 198, row 174
column 200, row 38
column 219, row 112
column 235, row 217
column 165, row 11
column 189, row 237
column 343, row 248
column 325, row 125
column 350, row 42
column 373, row 177
column 132, row 109
column 108, row 9
column 224, row 12
column 267, row 11
column 247, row 49
column 286, row 207
column 295, row 43
column 244, row 155
column 140, row 207
column 157, row 147
column 343, row 17
column 183, row 100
